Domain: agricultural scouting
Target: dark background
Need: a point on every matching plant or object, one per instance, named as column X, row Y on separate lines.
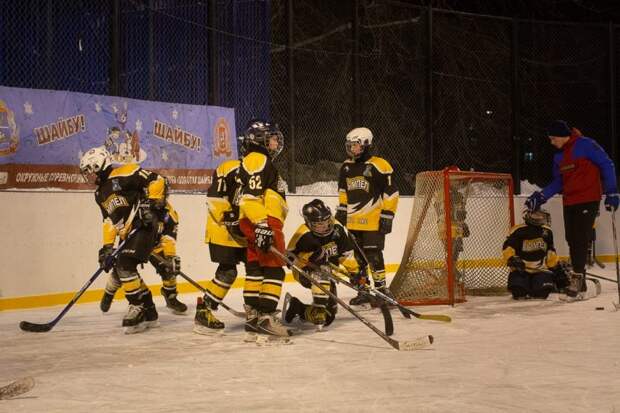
column 469, row 83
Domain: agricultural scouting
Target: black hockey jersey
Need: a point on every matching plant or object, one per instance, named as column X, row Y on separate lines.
column 119, row 192
column 365, row 188
column 533, row 244
column 262, row 188
column 336, row 248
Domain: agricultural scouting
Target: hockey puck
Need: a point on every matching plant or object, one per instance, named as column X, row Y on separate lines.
column 600, row 308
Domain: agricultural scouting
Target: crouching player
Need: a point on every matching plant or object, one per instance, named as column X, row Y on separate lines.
column 320, row 242
column 163, row 258
column 530, row 254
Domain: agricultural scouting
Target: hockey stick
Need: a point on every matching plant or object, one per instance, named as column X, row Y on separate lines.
column 45, row 327
column 406, row 311
column 385, row 311
column 615, row 234
column 600, row 277
column 419, row 343
column 204, row 290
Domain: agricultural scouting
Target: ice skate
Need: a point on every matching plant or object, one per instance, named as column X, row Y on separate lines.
column 106, row 301
column 205, row 322
column 172, row 303
column 150, row 316
column 134, row 321
column 291, row 308
column 270, row 324
column 251, row 320
column 361, row 300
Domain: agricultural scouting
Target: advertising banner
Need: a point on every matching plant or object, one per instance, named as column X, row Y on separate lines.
column 43, row 134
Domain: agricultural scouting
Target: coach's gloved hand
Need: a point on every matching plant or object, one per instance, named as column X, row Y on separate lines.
column 517, row 263
column 341, row 214
column 611, row 202
column 264, row 236
column 385, row 222
column 534, row 201
column 105, row 257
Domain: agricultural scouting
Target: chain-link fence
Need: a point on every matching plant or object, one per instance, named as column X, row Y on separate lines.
column 437, row 88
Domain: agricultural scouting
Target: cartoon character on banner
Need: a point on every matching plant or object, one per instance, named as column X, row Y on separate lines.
column 9, row 131
column 123, row 145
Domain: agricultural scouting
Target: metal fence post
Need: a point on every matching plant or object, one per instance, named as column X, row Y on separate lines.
column 516, row 108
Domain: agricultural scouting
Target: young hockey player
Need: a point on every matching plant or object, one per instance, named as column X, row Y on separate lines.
column 165, row 261
column 320, row 241
column 120, row 194
column 530, row 254
column 227, row 245
column 262, row 210
column 367, row 203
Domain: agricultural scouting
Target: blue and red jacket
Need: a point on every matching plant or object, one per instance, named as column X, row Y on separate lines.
column 578, row 170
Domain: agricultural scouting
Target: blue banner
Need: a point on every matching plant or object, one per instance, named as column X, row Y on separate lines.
column 46, row 132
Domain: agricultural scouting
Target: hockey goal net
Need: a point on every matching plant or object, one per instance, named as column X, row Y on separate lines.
column 459, row 222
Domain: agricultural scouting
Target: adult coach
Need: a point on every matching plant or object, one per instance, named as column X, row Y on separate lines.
column 582, row 172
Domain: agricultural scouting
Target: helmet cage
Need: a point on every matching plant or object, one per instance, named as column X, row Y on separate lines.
column 537, row 218
column 318, row 218
column 361, row 136
column 94, row 161
column 261, row 134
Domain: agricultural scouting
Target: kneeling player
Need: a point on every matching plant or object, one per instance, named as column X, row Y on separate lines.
column 320, row 241
column 530, row 253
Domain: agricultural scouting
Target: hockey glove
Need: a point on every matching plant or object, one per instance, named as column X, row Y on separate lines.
column 385, row 222
column 231, row 222
column 170, row 265
column 611, row 202
column 341, row 214
column 264, row 236
column 534, row 201
column 145, row 217
column 517, row 263
column 105, row 257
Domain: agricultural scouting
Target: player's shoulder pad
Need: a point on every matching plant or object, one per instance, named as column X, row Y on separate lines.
column 124, row 170
column 517, row 227
column 547, row 227
column 254, row 162
column 227, row 166
column 381, row 164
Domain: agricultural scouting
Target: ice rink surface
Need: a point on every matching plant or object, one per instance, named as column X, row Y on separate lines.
column 497, row 355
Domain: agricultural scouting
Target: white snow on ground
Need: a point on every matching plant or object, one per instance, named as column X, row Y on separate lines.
column 497, row 355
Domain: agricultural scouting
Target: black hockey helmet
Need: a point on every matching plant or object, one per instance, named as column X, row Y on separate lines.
column 536, row 218
column 318, row 218
column 261, row 133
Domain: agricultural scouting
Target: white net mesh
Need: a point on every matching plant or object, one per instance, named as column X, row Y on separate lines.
column 458, row 224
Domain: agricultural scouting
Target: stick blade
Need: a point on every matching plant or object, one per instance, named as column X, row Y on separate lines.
column 418, row 344
column 436, row 317
column 34, row 327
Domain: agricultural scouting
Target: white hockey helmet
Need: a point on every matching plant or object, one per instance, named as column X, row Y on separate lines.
column 362, row 136
column 95, row 160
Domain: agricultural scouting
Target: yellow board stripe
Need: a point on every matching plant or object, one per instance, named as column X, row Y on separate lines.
column 57, row 299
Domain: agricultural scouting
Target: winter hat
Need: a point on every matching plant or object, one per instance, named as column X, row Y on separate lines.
column 558, row 128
